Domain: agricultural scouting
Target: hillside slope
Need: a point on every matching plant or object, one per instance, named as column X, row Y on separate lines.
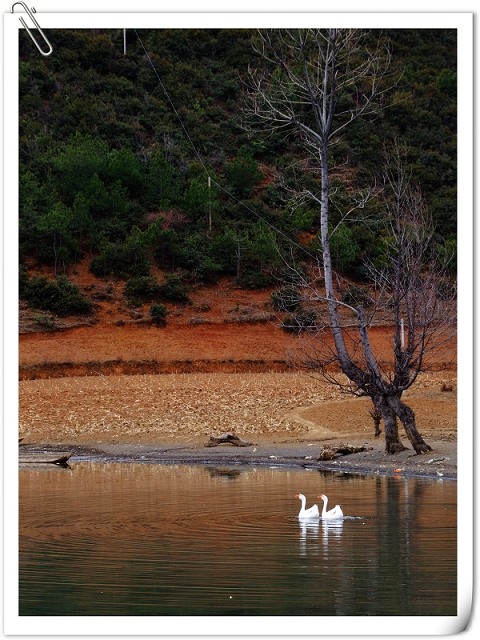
column 225, row 328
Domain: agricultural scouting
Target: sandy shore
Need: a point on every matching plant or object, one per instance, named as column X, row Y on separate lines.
column 287, row 416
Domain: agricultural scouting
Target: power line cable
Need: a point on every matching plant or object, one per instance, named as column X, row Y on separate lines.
column 171, row 102
column 200, row 159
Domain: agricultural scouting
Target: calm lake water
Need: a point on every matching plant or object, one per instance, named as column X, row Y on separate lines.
column 150, row 540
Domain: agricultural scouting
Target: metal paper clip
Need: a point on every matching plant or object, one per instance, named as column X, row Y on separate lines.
column 37, row 26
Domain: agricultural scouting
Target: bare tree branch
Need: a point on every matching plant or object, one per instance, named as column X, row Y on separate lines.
column 318, row 82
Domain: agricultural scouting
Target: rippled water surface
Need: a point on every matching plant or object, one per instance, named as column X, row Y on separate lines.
column 144, row 539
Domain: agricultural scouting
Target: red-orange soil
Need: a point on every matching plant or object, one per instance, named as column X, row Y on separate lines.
column 240, row 377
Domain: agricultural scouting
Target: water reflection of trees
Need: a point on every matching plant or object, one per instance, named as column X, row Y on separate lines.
column 383, row 564
column 240, row 535
column 381, row 580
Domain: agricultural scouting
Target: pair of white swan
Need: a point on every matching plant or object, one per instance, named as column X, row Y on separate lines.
column 306, row 514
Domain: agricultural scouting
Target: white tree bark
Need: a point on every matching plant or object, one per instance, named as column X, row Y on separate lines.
column 318, row 83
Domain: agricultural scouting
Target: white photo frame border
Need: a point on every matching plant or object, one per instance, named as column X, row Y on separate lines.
column 174, row 626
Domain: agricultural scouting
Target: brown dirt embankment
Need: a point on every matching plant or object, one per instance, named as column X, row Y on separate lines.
column 179, row 348
column 221, row 364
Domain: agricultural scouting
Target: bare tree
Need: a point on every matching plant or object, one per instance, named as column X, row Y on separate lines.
column 321, row 81
column 410, row 290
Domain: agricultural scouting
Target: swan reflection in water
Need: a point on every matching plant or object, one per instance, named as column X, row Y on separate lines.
column 332, row 528
column 309, row 531
column 314, row 532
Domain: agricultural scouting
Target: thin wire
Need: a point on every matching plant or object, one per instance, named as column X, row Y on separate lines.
column 226, row 191
column 171, row 102
column 281, row 233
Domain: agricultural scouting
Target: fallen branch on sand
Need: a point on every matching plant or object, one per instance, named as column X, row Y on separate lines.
column 227, row 438
column 330, row 452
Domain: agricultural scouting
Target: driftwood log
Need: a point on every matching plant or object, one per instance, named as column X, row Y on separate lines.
column 330, row 452
column 227, row 438
column 55, row 457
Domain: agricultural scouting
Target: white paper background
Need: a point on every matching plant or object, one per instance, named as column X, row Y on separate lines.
column 97, row 14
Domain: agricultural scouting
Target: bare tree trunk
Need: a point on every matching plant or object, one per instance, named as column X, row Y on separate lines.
column 392, row 439
column 377, row 418
column 327, row 263
column 327, row 69
column 407, row 417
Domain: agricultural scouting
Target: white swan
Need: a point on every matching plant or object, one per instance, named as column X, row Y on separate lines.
column 336, row 512
column 304, row 514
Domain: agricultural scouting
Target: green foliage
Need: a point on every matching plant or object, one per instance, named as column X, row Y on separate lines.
column 78, row 162
column 57, row 224
column 124, row 260
column 35, row 199
column 243, row 173
column 141, row 289
column 251, row 255
column 102, row 200
column 195, row 255
column 125, row 167
column 174, row 289
column 286, row 299
column 23, row 282
column 96, row 183
column 223, row 249
column 59, row 296
column 302, row 219
column 343, row 249
column 447, row 82
column 165, row 244
column 447, row 255
column 252, row 279
column 102, row 150
column 162, row 186
column 45, row 320
column 200, row 200
column 208, row 270
column 158, row 313
column 258, row 258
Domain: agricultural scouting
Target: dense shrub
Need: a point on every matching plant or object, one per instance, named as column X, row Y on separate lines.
column 162, row 182
column 141, row 289
column 165, row 244
column 59, row 296
column 252, row 279
column 243, row 173
column 123, row 260
column 303, row 320
column 158, row 313
column 174, row 289
column 302, row 219
column 108, row 157
column 286, row 299
column 356, row 297
column 23, row 282
column 195, row 254
column 208, row 270
column 343, row 249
